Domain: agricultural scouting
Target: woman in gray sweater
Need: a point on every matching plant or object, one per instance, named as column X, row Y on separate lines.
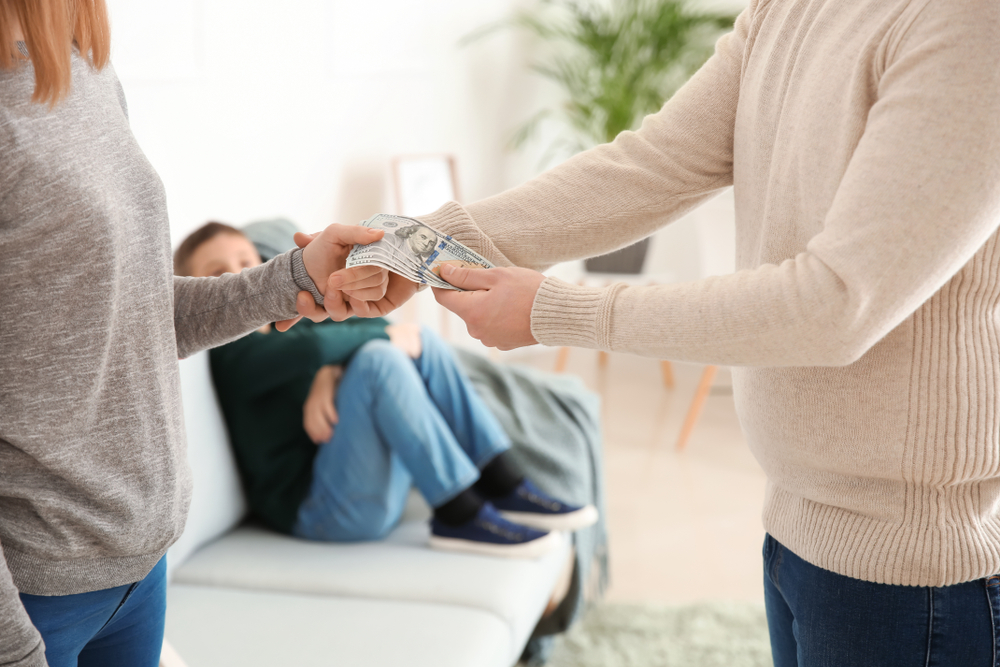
column 94, row 485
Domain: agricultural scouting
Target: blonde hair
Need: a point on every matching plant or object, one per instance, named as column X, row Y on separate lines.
column 51, row 28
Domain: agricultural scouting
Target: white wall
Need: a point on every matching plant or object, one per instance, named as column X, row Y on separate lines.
column 251, row 108
column 248, row 110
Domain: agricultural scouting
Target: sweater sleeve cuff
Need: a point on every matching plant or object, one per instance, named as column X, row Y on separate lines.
column 302, row 279
column 564, row 314
column 453, row 220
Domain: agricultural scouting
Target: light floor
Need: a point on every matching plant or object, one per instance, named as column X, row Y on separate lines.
column 684, row 526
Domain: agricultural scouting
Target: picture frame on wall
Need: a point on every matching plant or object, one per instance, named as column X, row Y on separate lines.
column 422, row 183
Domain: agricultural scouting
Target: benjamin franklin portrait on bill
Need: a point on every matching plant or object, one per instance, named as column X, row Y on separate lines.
column 414, row 240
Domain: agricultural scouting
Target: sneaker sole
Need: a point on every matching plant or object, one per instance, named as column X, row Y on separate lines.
column 533, row 549
column 583, row 517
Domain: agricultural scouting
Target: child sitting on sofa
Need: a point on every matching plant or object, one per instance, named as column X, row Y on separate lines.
column 332, row 422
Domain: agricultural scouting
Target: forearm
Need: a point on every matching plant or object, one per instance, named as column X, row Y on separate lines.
column 327, row 376
column 323, row 388
column 590, row 205
column 617, row 193
column 209, row 312
column 20, row 643
column 795, row 314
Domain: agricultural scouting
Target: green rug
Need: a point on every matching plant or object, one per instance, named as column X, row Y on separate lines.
column 716, row 634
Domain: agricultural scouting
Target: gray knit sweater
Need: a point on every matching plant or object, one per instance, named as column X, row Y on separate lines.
column 94, row 485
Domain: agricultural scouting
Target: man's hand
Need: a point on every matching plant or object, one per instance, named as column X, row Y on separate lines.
column 407, row 338
column 498, row 312
column 319, row 414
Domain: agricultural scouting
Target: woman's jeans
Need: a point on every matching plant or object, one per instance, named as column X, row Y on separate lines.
column 817, row 618
column 116, row 627
column 403, row 422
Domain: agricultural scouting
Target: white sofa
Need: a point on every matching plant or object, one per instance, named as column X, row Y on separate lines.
column 243, row 596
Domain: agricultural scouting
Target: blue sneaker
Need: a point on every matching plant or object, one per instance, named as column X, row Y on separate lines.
column 489, row 534
column 530, row 506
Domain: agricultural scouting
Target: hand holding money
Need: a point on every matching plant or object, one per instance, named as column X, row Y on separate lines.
column 398, row 291
column 495, row 305
column 414, row 251
column 324, row 256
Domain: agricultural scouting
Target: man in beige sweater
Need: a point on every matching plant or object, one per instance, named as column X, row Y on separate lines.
column 862, row 139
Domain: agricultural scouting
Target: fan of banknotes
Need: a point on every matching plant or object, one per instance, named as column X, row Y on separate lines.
column 414, row 251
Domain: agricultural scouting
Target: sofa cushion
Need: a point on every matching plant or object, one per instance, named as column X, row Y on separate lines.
column 217, row 503
column 218, row 627
column 401, row 567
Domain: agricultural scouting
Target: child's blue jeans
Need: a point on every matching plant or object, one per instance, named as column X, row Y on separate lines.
column 818, row 618
column 403, row 422
column 115, row 627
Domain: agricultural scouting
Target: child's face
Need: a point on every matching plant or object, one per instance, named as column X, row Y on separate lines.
column 223, row 253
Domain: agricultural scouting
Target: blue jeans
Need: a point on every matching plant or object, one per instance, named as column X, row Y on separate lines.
column 817, row 618
column 115, row 627
column 403, row 422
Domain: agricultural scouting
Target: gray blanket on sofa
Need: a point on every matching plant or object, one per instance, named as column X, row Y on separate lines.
column 554, row 423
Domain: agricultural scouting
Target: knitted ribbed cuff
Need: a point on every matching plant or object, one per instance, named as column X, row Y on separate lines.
column 454, row 221
column 572, row 315
column 302, row 279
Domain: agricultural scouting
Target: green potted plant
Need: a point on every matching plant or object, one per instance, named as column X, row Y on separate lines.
column 616, row 62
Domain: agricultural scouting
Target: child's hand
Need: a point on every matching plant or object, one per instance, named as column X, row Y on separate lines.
column 319, row 414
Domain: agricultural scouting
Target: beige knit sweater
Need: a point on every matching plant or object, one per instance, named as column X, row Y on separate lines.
column 862, row 138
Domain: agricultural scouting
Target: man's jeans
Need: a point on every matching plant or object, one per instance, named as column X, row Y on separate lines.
column 402, row 422
column 818, row 618
column 115, row 627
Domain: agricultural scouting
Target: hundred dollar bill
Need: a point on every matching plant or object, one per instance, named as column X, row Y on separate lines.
column 390, row 257
column 380, row 257
column 387, row 257
column 420, row 242
column 396, row 255
column 414, row 250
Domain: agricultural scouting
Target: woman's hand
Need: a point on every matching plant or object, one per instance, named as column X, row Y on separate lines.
column 497, row 309
column 325, row 256
column 397, row 292
column 319, row 414
column 362, row 291
column 407, row 338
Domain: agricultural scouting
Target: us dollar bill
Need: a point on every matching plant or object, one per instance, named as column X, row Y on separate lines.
column 415, row 251
column 379, row 257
